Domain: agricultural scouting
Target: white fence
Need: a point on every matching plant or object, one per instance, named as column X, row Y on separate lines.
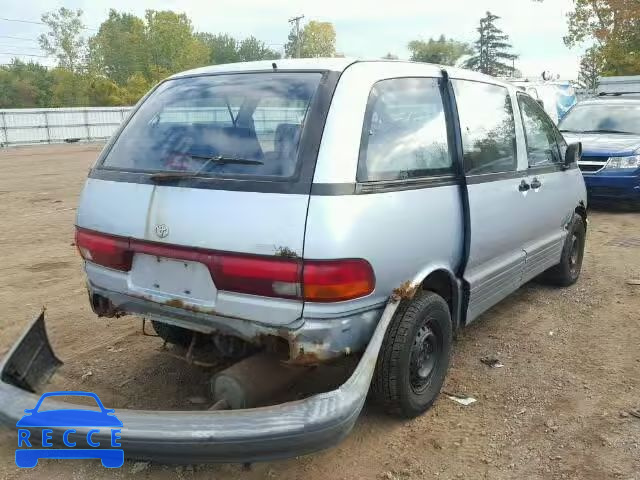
column 54, row 125
column 23, row 126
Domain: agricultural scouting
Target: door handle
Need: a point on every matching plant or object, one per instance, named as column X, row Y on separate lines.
column 535, row 184
column 524, row 186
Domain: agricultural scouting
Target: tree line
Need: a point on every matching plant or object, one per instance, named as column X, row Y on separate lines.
column 129, row 54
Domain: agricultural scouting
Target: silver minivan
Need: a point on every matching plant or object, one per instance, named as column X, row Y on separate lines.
column 324, row 208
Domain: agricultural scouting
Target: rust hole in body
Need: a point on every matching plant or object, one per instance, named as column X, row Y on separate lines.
column 175, row 302
column 305, row 359
column 405, row 291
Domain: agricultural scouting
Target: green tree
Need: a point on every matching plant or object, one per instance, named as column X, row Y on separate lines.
column 172, row 45
column 291, row 47
column 102, row 91
column 16, row 92
column 492, row 49
column 64, row 39
column 222, row 48
column 442, row 51
column 253, row 49
column 69, row 89
column 317, row 39
column 137, row 86
column 591, row 65
column 613, row 26
column 120, row 47
column 24, row 85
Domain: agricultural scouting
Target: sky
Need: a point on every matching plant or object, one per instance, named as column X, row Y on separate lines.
column 363, row 29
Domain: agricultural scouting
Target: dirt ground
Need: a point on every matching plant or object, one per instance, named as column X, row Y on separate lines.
column 557, row 409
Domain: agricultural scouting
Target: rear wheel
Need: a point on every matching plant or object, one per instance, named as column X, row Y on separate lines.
column 568, row 270
column 172, row 334
column 414, row 357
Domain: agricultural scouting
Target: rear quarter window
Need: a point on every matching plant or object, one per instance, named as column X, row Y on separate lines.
column 404, row 133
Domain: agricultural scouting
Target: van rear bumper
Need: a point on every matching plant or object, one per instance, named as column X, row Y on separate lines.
column 310, row 340
column 251, row 435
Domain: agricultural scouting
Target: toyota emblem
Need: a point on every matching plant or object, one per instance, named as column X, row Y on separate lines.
column 162, row 230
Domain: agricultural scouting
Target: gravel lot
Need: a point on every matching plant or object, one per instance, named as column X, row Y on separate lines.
column 557, row 409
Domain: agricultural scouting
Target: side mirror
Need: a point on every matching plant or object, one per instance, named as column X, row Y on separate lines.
column 540, row 102
column 572, row 155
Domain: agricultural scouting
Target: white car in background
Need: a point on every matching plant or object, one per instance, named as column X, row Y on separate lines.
column 556, row 97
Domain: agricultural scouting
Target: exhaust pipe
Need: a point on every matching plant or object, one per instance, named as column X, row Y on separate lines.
column 252, row 381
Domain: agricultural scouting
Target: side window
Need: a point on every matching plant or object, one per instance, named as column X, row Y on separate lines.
column 562, row 143
column 487, row 127
column 540, row 134
column 405, row 132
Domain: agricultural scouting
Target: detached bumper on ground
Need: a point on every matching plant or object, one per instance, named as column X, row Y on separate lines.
column 250, row 435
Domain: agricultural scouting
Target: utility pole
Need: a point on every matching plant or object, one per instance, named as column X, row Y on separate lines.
column 297, row 20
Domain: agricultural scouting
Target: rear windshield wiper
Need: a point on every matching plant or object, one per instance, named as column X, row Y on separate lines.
column 224, row 160
column 217, row 160
column 607, row 130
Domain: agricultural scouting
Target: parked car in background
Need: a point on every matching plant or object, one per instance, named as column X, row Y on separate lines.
column 323, row 208
column 608, row 127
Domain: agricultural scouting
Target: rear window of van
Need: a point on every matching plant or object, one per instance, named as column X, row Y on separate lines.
column 221, row 125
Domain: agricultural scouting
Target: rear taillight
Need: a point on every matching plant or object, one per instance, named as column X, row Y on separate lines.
column 337, row 280
column 258, row 275
column 105, row 250
column 311, row 280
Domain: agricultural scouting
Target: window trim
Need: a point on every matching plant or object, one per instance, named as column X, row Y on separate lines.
column 369, row 185
column 505, row 173
column 556, row 134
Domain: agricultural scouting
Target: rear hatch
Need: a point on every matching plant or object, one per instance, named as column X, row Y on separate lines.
column 208, row 186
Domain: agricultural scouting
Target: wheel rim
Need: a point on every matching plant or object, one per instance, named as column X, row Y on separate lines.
column 574, row 253
column 425, row 354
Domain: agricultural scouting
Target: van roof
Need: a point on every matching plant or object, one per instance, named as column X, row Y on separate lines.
column 332, row 64
column 335, row 64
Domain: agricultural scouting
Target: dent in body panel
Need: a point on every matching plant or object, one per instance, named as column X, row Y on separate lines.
column 405, row 235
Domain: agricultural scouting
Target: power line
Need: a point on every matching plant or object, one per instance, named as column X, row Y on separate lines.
column 4, row 45
column 19, row 38
column 23, row 54
column 33, row 22
column 21, row 21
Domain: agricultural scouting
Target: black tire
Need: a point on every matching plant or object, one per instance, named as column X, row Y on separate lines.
column 566, row 273
column 414, row 357
column 172, row 334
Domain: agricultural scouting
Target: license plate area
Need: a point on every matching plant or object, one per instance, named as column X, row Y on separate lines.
column 164, row 279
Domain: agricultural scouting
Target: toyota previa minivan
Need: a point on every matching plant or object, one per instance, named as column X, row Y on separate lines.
column 325, row 208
